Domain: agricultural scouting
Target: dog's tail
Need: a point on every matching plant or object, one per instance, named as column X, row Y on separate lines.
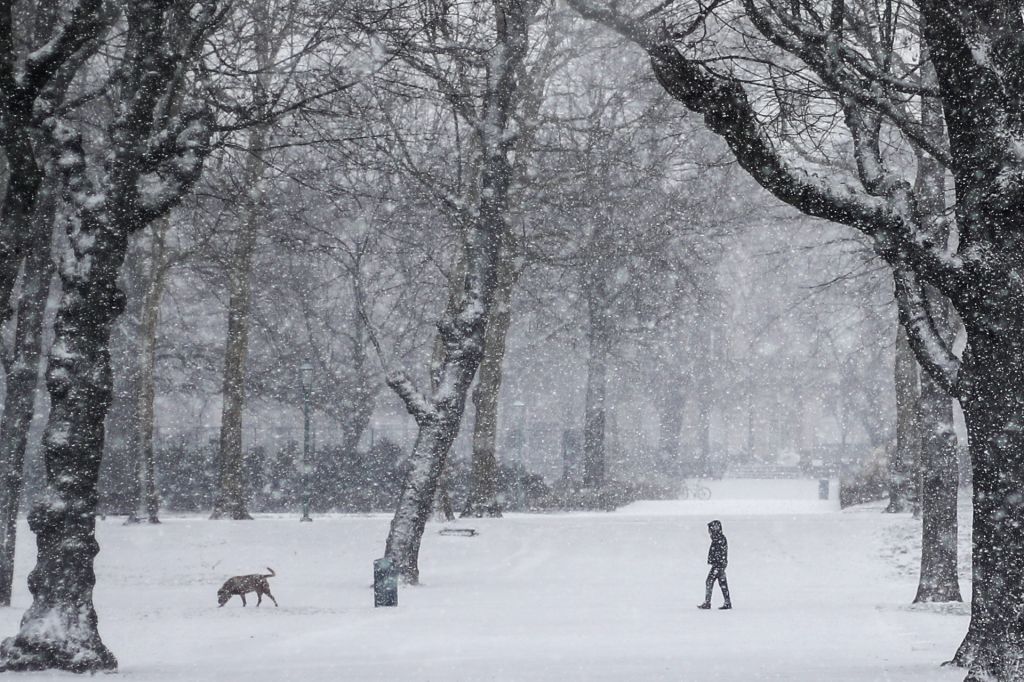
column 271, row 574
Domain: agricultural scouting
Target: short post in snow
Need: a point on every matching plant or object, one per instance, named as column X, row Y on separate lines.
column 306, row 373
column 823, row 489
column 385, row 583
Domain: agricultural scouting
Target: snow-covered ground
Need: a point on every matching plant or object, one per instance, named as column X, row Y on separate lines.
column 818, row 596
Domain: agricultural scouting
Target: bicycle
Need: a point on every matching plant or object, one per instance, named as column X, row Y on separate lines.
column 699, row 492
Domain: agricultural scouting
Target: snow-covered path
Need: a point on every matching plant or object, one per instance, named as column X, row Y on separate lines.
column 533, row 597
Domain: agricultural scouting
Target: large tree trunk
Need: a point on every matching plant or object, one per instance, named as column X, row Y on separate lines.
column 905, row 454
column 59, row 630
column 230, row 502
column 993, row 392
column 146, row 499
column 483, row 487
column 22, row 378
column 594, row 410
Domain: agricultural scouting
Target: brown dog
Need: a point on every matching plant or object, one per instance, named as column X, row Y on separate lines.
column 241, row 584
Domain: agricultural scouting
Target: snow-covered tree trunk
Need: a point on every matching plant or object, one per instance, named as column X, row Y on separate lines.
column 151, row 161
column 463, row 333
column 43, row 75
column 22, row 378
column 146, row 499
column 905, row 452
column 230, row 502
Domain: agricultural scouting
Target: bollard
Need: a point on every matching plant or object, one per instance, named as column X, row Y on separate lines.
column 823, row 489
column 385, row 583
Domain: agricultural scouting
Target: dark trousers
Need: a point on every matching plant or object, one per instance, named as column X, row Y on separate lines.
column 716, row 573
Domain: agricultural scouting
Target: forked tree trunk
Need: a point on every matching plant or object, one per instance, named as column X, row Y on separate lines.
column 146, row 498
column 230, row 502
column 438, row 416
column 906, row 452
column 22, row 379
column 60, row 629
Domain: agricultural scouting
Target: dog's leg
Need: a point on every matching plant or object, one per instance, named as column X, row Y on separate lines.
column 271, row 596
column 243, row 598
column 259, row 597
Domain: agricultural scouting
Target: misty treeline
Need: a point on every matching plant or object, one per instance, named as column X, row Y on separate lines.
column 517, row 259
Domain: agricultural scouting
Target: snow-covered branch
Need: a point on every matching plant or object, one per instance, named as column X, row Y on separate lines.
column 86, row 19
column 174, row 163
column 931, row 350
column 415, row 402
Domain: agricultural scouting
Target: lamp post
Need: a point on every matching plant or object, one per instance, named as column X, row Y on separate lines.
column 306, row 375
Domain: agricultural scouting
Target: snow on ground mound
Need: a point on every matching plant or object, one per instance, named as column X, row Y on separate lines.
column 743, row 497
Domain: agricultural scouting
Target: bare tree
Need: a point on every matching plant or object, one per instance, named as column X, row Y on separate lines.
column 462, row 329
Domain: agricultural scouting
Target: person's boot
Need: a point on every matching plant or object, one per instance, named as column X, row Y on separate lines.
column 725, row 607
column 705, row 605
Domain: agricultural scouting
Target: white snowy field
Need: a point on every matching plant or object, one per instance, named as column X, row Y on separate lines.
column 571, row 597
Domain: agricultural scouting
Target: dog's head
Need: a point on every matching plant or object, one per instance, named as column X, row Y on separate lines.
column 222, row 597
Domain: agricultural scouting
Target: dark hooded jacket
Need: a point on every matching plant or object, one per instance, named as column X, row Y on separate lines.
column 718, row 554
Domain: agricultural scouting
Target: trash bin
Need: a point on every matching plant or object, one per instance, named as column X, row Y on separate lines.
column 385, row 583
column 823, row 489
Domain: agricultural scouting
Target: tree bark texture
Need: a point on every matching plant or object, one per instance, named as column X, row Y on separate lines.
column 22, row 379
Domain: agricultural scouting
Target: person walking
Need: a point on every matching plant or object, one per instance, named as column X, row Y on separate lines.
column 718, row 558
